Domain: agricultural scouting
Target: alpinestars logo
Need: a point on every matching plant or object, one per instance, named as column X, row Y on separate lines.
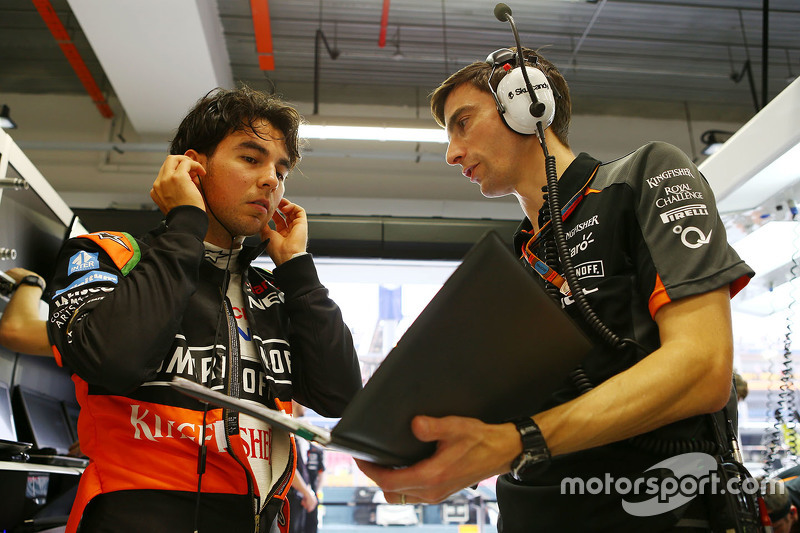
column 116, row 238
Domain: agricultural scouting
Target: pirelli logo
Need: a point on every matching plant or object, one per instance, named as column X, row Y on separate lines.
column 683, row 212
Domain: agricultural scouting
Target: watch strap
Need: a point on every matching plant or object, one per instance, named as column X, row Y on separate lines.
column 530, row 434
column 535, row 454
column 33, row 280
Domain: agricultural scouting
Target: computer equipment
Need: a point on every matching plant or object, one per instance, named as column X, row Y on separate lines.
column 491, row 344
column 9, row 445
column 71, row 411
column 43, row 420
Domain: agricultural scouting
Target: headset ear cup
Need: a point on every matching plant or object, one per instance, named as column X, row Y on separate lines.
column 512, row 93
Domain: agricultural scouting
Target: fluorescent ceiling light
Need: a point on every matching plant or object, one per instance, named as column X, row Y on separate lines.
column 5, row 119
column 714, row 140
column 712, row 148
column 771, row 246
column 368, row 133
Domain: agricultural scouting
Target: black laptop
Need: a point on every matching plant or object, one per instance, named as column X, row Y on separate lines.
column 45, row 423
column 10, row 447
column 491, row 345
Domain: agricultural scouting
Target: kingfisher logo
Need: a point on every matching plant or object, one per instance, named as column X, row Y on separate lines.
column 83, row 261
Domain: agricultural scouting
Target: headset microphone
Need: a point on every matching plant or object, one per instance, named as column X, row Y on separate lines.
column 502, row 12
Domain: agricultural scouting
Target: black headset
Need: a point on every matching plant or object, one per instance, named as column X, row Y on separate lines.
column 521, row 113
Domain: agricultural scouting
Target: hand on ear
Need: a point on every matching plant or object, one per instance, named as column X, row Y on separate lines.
column 177, row 182
column 290, row 236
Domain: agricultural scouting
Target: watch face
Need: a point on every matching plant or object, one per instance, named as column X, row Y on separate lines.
column 528, row 465
column 535, row 456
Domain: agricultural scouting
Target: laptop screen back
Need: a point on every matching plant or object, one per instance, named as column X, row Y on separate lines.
column 48, row 424
column 72, row 411
column 490, row 345
column 7, row 430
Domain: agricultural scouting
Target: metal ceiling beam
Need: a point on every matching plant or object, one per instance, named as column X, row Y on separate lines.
column 695, row 5
column 586, row 31
column 287, row 30
column 160, row 57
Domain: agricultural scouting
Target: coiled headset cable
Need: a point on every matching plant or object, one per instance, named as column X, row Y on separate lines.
column 560, row 240
column 202, row 451
column 578, row 376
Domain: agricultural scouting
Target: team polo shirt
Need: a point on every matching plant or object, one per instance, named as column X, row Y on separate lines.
column 641, row 231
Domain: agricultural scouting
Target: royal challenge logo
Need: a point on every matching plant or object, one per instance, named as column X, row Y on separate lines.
column 665, row 486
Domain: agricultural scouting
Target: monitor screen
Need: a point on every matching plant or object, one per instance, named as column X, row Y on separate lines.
column 7, row 430
column 48, row 424
column 72, row 410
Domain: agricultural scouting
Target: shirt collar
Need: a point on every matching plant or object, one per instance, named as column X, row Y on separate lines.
column 221, row 258
column 571, row 182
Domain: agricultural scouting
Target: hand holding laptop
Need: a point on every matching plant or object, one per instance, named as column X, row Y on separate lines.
column 468, row 452
column 467, row 354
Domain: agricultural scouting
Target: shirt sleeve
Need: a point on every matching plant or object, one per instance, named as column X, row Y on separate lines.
column 325, row 368
column 116, row 307
column 684, row 236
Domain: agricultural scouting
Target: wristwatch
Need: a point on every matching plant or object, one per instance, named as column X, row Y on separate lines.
column 535, row 456
column 32, row 279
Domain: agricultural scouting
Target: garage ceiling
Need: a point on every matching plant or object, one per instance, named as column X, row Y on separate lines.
column 152, row 59
column 612, row 52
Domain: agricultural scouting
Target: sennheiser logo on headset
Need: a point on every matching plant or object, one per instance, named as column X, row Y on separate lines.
column 522, row 90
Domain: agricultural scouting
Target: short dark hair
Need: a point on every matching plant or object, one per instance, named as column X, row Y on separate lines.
column 776, row 498
column 224, row 111
column 477, row 74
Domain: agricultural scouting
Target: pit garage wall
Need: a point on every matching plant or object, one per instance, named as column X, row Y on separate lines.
column 33, row 223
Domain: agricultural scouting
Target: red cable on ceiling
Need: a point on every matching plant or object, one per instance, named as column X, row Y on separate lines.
column 263, row 30
column 384, row 24
column 64, row 41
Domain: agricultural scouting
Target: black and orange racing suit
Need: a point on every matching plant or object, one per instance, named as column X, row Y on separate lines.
column 127, row 315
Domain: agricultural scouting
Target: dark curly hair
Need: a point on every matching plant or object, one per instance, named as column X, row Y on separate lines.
column 477, row 75
column 223, row 111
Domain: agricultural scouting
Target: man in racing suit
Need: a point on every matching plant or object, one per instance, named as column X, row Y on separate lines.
column 653, row 262
column 129, row 314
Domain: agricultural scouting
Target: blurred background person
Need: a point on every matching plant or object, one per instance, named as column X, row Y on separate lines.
column 781, row 509
column 22, row 329
column 302, row 496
